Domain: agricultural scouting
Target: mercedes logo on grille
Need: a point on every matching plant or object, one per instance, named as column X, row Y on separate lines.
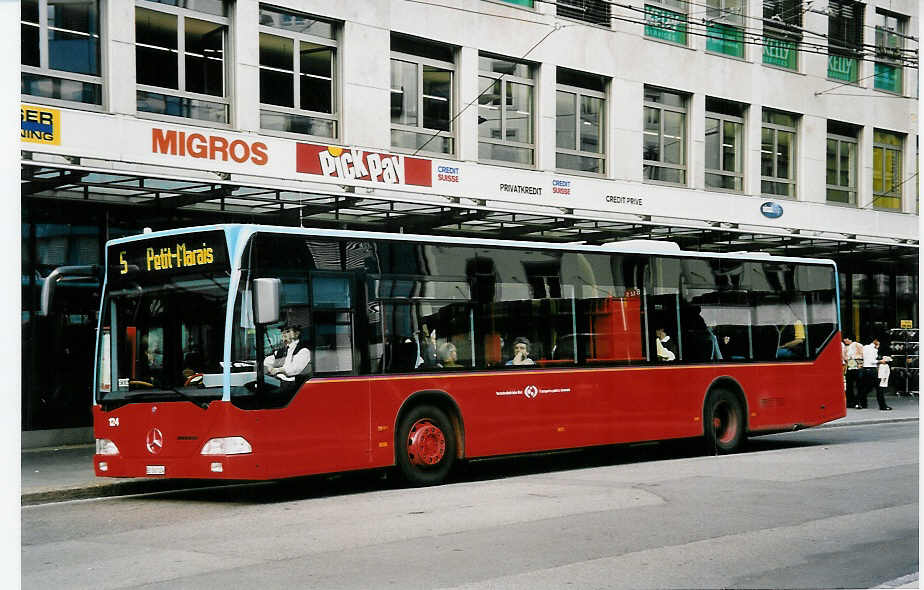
column 155, row 441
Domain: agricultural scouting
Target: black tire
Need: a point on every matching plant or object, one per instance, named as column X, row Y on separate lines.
column 425, row 447
column 724, row 423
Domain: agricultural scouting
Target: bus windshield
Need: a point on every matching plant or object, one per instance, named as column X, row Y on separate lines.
column 164, row 342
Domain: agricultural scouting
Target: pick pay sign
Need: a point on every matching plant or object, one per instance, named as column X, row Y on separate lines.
column 355, row 164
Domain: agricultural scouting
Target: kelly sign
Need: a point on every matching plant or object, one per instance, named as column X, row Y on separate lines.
column 355, row 164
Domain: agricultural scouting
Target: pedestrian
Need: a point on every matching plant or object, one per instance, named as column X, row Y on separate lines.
column 853, row 359
column 868, row 373
column 883, row 374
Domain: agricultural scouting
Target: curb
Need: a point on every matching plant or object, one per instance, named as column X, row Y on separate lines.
column 145, row 486
column 836, row 424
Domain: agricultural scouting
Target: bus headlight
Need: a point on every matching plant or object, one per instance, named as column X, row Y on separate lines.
column 104, row 446
column 229, row 445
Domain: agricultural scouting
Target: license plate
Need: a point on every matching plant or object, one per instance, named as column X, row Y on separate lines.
column 155, row 470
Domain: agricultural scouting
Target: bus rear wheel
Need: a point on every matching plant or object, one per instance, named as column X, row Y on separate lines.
column 426, row 446
column 723, row 422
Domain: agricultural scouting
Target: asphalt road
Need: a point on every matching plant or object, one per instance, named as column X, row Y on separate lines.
column 826, row 508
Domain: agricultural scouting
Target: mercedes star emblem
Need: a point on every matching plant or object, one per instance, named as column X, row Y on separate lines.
column 155, row 441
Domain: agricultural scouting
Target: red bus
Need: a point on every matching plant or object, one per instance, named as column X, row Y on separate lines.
column 254, row 352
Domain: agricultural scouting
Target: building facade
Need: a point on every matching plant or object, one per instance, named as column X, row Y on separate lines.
column 774, row 125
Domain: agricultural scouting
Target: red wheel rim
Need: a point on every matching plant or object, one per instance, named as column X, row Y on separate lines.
column 724, row 423
column 426, row 444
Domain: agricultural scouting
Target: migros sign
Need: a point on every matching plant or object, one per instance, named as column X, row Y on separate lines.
column 208, row 147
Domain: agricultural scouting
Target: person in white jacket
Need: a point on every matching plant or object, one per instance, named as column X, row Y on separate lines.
column 868, row 376
column 291, row 361
column 883, row 374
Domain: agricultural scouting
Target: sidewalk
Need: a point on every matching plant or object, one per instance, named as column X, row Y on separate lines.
column 54, row 474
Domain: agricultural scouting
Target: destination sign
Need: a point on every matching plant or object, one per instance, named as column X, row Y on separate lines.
column 160, row 258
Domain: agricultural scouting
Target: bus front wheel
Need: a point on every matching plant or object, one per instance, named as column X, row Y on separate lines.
column 723, row 422
column 426, row 446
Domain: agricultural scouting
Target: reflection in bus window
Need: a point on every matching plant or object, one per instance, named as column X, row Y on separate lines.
column 663, row 304
column 610, row 314
column 416, row 332
column 520, row 295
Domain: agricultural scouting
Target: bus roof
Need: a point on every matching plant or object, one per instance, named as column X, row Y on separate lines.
column 647, row 247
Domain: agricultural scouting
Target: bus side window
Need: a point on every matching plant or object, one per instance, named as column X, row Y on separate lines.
column 780, row 312
column 524, row 311
column 332, row 322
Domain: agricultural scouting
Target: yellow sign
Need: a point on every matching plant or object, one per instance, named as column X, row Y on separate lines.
column 40, row 125
column 181, row 256
column 907, row 324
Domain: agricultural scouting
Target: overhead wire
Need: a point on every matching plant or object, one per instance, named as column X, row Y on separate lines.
column 556, row 27
column 595, row 8
column 864, row 52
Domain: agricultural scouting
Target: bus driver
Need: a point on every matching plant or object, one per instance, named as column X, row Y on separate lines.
column 291, row 361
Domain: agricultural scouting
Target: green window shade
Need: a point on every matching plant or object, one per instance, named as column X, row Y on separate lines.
column 780, row 53
column 841, row 67
column 725, row 39
column 666, row 25
column 888, row 77
column 521, row 2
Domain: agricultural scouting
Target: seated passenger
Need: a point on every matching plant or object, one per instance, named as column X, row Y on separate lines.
column 291, row 361
column 521, row 352
column 666, row 349
column 448, row 355
column 791, row 340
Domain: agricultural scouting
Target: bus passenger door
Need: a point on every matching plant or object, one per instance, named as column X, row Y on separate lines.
column 338, row 401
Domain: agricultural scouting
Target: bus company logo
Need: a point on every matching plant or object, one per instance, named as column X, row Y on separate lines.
column 155, row 441
column 208, row 147
column 531, row 391
column 355, row 164
column 40, row 125
column 561, row 187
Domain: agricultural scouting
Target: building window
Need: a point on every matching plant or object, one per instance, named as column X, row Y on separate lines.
column 887, row 170
column 505, row 111
column 724, row 145
column 890, row 33
column 60, row 50
column 664, row 136
column 778, row 154
column 297, row 65
column 579, row 129
column 782, row 33
column 180, row 59
column 596, row 12
column 845, row 39
column 421, row 95
column 666, row 20
column 725, row 27
column 528, row 3
column 841, row 163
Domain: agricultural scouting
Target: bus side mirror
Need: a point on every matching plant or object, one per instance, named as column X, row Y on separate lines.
column 266, row 300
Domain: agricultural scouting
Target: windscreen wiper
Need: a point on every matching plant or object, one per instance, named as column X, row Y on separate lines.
column 204, row 404
column 157, row 393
